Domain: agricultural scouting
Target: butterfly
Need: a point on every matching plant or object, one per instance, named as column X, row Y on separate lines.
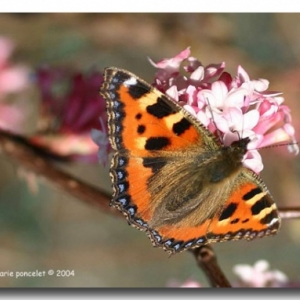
column 172, row 178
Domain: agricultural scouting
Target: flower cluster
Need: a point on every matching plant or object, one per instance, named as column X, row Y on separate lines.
column 230, row 107
column 259, row 275
column 71, row 107
column 71, row 98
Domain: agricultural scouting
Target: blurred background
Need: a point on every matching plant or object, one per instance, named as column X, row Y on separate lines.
column 42, row 228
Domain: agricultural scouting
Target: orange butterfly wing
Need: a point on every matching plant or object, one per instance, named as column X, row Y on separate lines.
column 155, row 139
column 248, row 213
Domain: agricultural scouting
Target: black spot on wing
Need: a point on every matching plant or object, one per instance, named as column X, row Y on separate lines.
column 228, row 211
column 236, row 220
column 115, row 79
column 136, row 91
column 267, row 219
column 138, row 116
column 252, row 193
column 155, row 163
column 160, row 109
column 181, row 126
column 260, row 205
column 157, row 143
column 141, row 129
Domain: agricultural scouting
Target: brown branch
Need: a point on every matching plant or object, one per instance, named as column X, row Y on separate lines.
column 42, row 163
column 289, row 212
column 207, row 261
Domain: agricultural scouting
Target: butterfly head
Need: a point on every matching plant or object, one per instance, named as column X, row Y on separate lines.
column 239, row 148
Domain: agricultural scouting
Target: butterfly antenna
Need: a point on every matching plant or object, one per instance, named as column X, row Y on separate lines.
column 213, row 120
column 237, row 132
column 292, row 147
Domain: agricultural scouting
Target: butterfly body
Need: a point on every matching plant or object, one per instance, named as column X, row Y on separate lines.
column 172, row 178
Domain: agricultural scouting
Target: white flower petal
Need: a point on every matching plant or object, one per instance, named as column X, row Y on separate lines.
column 261, row 265
column 236, row 98
column 220, row 91
column 260, row 85
column 253, row 161
column 245, row 272
column 242, row 74
column 198, row 74
column 172, row 92
column 250, row 119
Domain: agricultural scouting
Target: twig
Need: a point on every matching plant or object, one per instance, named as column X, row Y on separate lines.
column 289, row 212
column 207, row 261
column 42, row 163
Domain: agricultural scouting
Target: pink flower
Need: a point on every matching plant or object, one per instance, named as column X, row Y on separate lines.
column 12, row 78
column 71, row 99
column 168, row 78
column 259, row 275
column 71, row 107
column 230, row 107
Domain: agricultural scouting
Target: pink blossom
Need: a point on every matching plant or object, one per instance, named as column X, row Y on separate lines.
column 230, row 107
column 172, row 65
column 168, row 74
column 12, row 78
column 71, row 107
column 259, row 275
